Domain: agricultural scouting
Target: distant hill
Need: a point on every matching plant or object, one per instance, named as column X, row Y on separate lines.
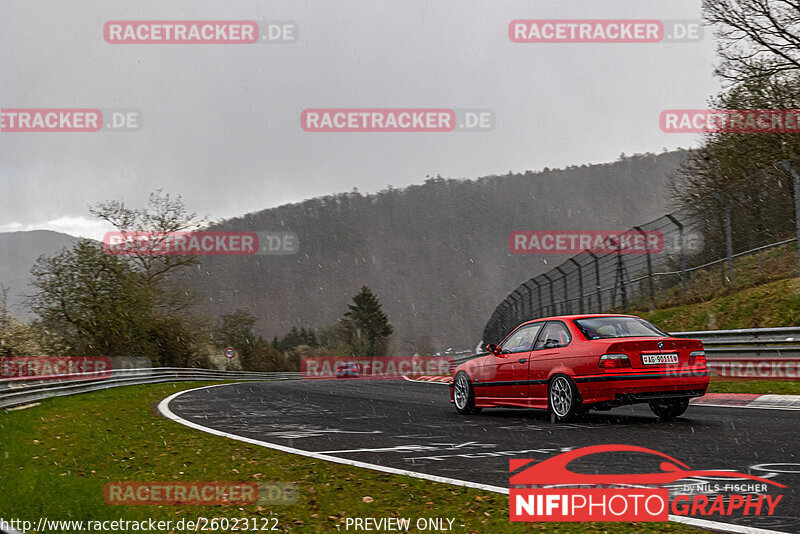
column 436, row 254
column 18, row 252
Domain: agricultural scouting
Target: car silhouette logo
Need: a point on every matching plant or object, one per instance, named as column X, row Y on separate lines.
column 553, row 471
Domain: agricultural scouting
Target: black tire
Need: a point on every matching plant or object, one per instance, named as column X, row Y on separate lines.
column 669, row 409
column 563, row 399
column 464, row 395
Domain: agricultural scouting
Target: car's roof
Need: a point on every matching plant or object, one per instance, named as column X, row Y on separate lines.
column 578, row 316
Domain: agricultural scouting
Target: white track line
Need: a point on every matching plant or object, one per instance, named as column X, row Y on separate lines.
column 750, row 406
column 163, row 407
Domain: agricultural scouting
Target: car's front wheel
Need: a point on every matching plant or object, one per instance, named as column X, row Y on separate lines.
column 464, row 395
column 669, row 409
column 564, row 401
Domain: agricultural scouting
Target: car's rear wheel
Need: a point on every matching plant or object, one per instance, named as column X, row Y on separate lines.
column 464, row 395
column 563, row 399
column 669, row 409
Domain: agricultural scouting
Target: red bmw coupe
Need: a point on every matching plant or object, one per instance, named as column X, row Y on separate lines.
column 573, row 363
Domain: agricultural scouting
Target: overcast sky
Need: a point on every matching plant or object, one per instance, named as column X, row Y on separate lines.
column 221, row 123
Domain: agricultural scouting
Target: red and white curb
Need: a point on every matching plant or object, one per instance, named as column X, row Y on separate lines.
column 750, row 400
column 722, row 400
column 426, row 378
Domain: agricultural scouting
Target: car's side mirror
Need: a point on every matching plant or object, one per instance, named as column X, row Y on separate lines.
column 491, row 347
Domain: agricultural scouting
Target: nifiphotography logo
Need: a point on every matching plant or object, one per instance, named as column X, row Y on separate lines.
column 550, row 491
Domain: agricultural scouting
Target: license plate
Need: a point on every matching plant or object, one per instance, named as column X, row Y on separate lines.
column 659, row 359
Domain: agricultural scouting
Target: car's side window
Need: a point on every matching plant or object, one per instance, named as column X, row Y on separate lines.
column 555, row 334
column 522, row 339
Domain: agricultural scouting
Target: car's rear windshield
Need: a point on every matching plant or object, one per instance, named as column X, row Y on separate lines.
column 613, row 327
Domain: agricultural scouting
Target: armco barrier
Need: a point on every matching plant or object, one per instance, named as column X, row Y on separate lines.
column 756, row 368
column 754, row 353
column 749, row 342
column 759, row 353
column 15, row 392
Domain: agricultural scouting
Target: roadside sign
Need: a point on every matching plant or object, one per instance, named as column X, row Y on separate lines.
column 230, row 352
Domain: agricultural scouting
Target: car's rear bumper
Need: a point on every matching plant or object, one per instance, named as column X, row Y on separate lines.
column 629, row 388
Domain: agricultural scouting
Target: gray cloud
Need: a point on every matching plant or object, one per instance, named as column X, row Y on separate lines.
column 221, row 122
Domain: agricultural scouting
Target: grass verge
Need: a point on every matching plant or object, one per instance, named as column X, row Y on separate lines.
column 767, row 305
column 56, row 458
column 763, row 387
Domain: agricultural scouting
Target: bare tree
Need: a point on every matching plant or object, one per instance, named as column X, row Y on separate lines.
column 757, row 38
column 163, row 216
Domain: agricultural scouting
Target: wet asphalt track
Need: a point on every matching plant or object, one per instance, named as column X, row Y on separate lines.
column 413, row 426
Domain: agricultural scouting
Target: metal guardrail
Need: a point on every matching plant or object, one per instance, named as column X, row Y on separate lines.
column 748, row 342
column 750, row 346
column 14, row 392
column 741, row 343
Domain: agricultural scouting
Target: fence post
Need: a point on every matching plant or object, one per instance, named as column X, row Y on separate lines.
column 597, row 278
column 729, row 242
column 529, row 290
column 796, row 178
column 503, row 321
column 649, row 268
column 580, row 284
column 509, row 317
column 726, row 217
column 539, row 298
column 682, row 256
column 521, row 306
column 530, row 299
column 620, row 276
column 552, row 294
column 566, row 299
column 515, row 308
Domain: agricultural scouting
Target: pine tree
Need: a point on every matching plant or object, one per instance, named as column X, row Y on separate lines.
column 369, row 326
column 312, row 339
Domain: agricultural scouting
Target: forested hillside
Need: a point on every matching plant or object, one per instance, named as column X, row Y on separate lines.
column 436, row 254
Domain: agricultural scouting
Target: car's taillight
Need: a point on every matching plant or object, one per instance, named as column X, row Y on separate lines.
column 697, row 357
column 614, row 361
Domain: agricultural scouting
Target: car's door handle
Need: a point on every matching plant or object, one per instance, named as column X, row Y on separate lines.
column 522, row 360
